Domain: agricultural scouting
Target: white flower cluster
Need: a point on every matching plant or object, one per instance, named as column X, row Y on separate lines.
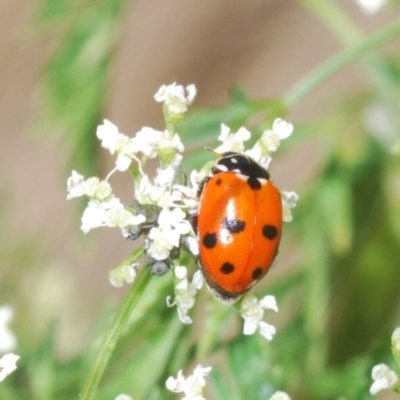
column 270, row 141
column 8, row 340
column 370, row 6
column 279, row 396
column 289, row 200
column 175, row 100
column 8, row 343
column 185, row 292
column 123, row 396
column 121, row 275
column 172, row 224
column 382, row 375
column 252, row 311
column 192, row 386
column 384, row 378
column 148, row 143
column 8, row 364
column 105, row 209
column 263, row 148
column 396, row 344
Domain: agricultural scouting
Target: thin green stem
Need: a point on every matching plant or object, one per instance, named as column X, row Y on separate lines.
column 332, row 15
column 321, row 74
column 115, row 329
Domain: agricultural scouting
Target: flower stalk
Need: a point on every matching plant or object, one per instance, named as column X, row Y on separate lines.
column 114, row 332
column 315, row 78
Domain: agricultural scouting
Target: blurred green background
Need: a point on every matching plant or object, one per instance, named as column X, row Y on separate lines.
column 65, row 66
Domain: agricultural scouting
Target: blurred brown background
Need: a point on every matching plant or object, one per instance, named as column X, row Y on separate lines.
column 264, row 46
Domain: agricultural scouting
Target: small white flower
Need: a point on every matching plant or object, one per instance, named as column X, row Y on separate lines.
column 192, row 386
column 121, row 275
column 232, row 141
column 269, row 142
column 97, row 189
column 93, row 187
column 94, row 216
column 282, row 128
column 185, row 292
column 117, row 143
column 8, row 365
column 266, row 330
column 165, row 236
column 289, row 200
column 198, row 279
column 384, row 378
column 124, row 396
column 191, row 93
column 110, row 213
column 166, row 145
column 370, row 6
column 271, row 138
column 124, row 161
column 252, row 312
column 161, row 243
column 188, row 195
column 146, row 141
column 8, row 340
column 109, row 135
column 169, row 144
column 126, row 151
column 183, row 195
column 149, row 193
column 76, row 185
column 176, row 219
column 396, row 343
column 117, row 216
column 180, row 272
column 165, row 176
column 279, row 396
column 175, row 99
column 258, row 154
column 162, row 239
column 192, row 244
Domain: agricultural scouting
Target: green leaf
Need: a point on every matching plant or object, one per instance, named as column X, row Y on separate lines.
column 73, row 90
column 336, row 201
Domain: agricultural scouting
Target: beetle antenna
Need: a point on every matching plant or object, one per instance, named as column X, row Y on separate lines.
column 213, row 151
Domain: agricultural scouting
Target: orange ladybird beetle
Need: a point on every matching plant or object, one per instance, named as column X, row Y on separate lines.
column 239, row 225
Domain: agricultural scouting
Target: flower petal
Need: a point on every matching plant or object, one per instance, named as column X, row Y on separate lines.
column 267, row 330
column 269, row 303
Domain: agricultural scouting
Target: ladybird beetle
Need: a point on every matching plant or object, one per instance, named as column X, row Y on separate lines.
column 238, row 226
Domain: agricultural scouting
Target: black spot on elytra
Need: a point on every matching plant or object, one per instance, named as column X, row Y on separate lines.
column 218, row 182
column 210, row 240
column 257, row 273
column 233, row 225
column 269, row 232
column 254, row 183
column 227, row 268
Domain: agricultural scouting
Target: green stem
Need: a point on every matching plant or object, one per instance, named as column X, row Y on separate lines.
column 315, row 78
column 331, row 14
column 114, row 331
